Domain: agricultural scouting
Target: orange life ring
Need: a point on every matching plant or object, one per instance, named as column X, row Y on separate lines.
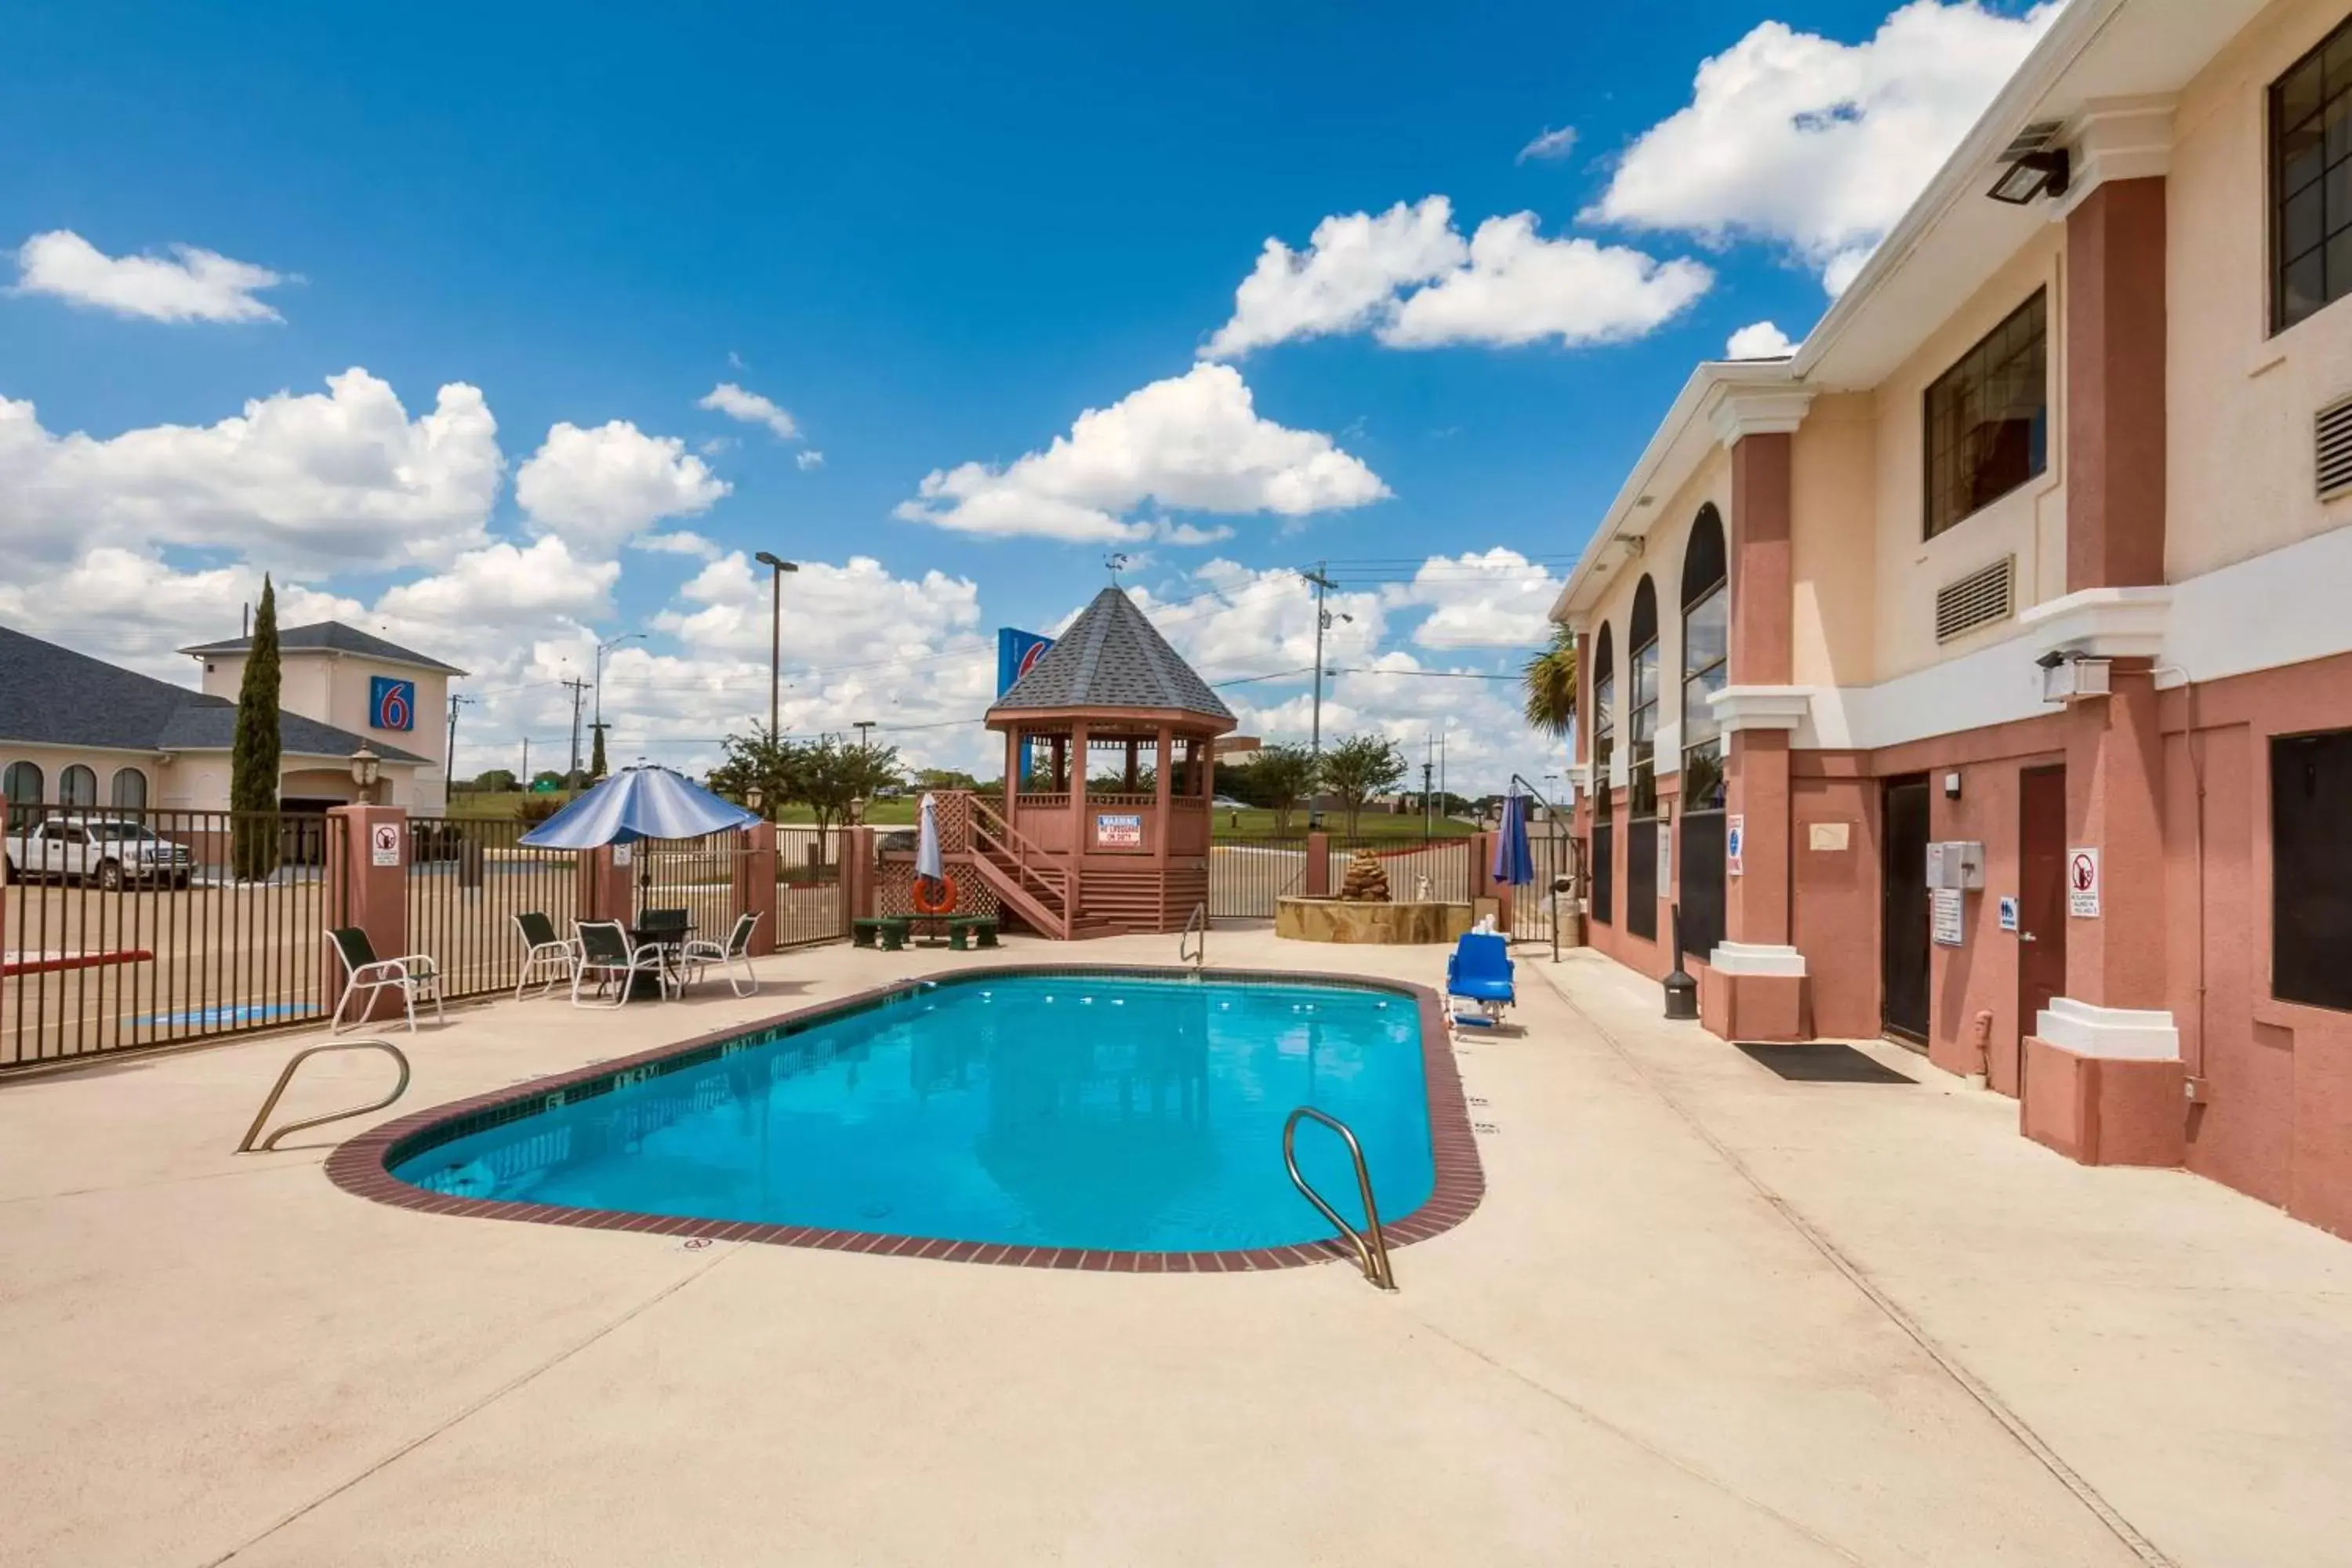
column 941, row 902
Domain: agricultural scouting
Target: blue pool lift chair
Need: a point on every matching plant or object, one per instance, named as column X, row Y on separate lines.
column 1479, row 984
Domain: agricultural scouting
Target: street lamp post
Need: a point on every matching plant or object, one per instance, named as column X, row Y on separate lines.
column 865, row 728
column 597, row 723
column 777, row 567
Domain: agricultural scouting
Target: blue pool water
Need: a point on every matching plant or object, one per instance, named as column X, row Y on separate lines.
column 1126, row 1114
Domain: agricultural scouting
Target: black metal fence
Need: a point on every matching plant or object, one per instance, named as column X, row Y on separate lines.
column 697, row 875
column 809, row 900
column 468, row 881
column 1441, row 870
column 1536, row 908
column 127, row 929
column 1247, row 875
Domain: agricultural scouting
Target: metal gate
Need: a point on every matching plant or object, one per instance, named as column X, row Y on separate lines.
column 697, row 875
column 1247, row 875
column 809, row 903
column 1440, row 870
column 468, row 881
column 127, row 929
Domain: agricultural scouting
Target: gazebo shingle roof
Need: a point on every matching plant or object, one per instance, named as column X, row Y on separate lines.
column 1112, row 657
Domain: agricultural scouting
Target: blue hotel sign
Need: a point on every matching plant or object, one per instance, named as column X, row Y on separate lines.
column 391, row 704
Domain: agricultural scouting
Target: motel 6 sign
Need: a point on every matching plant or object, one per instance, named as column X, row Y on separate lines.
column 391, row 704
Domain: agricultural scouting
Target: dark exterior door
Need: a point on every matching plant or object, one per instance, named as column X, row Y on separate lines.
column 2041, row 898
column 1604, row 867
column 1702, row 883
column 1903, row 923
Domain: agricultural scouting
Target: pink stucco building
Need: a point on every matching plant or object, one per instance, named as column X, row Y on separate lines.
column 2029, row 575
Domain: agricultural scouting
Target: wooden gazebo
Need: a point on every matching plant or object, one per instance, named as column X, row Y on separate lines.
column 1108, row 746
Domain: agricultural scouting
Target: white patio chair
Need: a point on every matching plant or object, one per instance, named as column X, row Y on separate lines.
column 415, row 975
column 549, row 959
column 734, row 953
column 607, row 954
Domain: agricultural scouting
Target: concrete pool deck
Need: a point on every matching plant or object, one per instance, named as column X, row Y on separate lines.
column 1701, row 1316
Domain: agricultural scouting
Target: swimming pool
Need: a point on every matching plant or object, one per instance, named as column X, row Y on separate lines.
column 1010, row 1114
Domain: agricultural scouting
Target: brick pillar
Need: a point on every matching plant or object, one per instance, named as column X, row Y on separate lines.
column 2103, row 1069
column 605, row 892
column 1753, row 987
column 1318, row 884
column 373, row 896
column 755, row 885
column 857, row 892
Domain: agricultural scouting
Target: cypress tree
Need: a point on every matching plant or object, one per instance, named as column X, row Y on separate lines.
column 253, row 761
column 596, row 755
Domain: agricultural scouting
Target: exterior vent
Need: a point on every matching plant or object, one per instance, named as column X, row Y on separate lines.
column 2034, row 138
column 1977, row 600
column 2334, row 428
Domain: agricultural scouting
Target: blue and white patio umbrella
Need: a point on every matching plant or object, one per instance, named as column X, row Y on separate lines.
column 930, row 866
column 1515, row 863
column 646, row 801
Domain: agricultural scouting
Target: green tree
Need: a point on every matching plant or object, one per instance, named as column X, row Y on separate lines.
column 830, row 775
column 1280, row 778
column 944, row 778
column 1359, row 768
column 759, row 761
column 496, row 781
column 253, row 757
column 596, row 752
column 547, row 776
column 1549, row 680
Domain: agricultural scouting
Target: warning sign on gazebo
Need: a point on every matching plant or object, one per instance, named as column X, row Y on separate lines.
column 1118, row 830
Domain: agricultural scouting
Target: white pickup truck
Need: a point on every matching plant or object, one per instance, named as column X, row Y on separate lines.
column 111, row 851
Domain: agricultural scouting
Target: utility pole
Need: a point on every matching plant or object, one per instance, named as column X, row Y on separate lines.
column 579, row 689
column 1322, row 581
column 1441, row 770
column 449, row 754
column 526, row 761
column 1427, row 822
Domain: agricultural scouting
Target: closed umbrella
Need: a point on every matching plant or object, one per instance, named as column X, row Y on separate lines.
column 931, row 866
column 1515, row 863
column 646, row 801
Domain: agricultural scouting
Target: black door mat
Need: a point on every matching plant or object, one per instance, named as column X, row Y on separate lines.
column 1824, row 1064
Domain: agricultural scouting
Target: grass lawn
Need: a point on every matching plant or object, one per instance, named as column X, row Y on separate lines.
column 900, row 813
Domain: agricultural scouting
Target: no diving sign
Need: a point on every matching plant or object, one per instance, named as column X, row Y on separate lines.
column 383, row 843
column 2083, row 883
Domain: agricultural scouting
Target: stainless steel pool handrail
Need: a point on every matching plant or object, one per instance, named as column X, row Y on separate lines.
column 1185, row 946
column 1372, row 1243
column 286, row 1076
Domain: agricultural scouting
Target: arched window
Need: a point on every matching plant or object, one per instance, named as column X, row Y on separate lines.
column 78, row 787
column 1604, row 748
column 1604, row 712
column 1641, row 718
column 1707, row 648
column 22, row 784
column 129, row 789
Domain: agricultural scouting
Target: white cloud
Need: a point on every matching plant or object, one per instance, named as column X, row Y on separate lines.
column 1520, row 287
column 341, row 481
column 505, row 584
column 1409, row 278
column 1552, row 143
column 855, row 611
column 1494, row 599
column 1839, row 271
column 1346, row 278
column 1798, row 138
column 1758, row 340
column 190, row 284
column 1233, row 620
column 750, row 408
column 809, row 460
column 1193, row 442
column 677, row 541
column 597, row 487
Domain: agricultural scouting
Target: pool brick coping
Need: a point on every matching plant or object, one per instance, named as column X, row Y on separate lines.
column 362, row 1165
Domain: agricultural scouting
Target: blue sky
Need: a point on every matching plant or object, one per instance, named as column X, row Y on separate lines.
column 929, row 237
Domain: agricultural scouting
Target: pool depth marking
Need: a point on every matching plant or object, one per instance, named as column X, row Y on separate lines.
column 362, row 1165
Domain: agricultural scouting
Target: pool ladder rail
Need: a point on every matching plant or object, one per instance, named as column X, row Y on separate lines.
column 299, row 1058
column 1192, row 947
column 1371, row 1243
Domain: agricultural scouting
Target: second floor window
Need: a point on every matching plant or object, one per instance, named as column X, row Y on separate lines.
column 2311, row 182
column 1707, row 648
column 1604, row 721
column 1988, row 418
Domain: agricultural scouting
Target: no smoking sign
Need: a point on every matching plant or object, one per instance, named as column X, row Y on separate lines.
column 2083, row 883
column 383, row 843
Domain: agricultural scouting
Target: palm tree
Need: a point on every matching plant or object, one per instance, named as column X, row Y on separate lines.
column 1549, row 678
